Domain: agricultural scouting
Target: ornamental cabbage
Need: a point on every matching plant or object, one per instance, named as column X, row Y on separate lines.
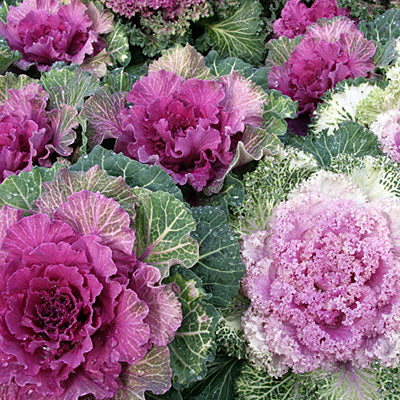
column 29, row 134
column 296, row 16
column 46, row 31
column 190, row 128
column 330, row 52
column 79, row 306
column 323, row 271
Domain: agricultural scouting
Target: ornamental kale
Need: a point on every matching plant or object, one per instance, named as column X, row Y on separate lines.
column 331, row 51
column 196, row 125
column 321, row 252
column 80, row 307
column 46, row 31
column 296, row 16
column 189, row 128
column 29, row 133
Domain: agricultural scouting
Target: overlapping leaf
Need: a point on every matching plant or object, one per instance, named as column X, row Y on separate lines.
column 20, row 191
column 68, row 85
column 349, row 138
column 183, row 61
column 101, row 113
column 151, row 373
column 7, row 56
column 11, row 81
column 118, row 45
column 151, row 177
column 194, row 343
column 220, row 266
column 163, row 227
column 240, row 35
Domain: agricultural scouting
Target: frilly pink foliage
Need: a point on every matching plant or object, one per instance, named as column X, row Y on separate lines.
column 296, row 16
column 387, row 128
column 70, row 316
column 324, row 280
column 45, row 31
column 171, row 9
column 330, row 52
column 28, row 132
column 190, row 128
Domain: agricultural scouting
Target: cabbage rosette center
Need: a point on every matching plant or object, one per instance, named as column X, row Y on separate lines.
column 324, row 279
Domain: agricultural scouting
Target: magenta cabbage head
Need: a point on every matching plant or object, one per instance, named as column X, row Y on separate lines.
column 72, row 313
column 330, row 52
column 190, row 128
column 29, row 133
column 296, row 16
column 324, row 280
column 46, row 31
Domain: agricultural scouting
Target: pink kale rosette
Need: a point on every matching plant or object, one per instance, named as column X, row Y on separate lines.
column 330, row 52
column 79, row 311
column 46, row 31
column 323, row 279
column 190, row 128
column 296, row 16
column 30, row 134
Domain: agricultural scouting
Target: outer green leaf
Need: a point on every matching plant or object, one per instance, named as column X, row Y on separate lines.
column 151, row 373
column 254, row 384
column 183, row 61
column 10, row 81
column 388, row 380
column 118, row 45
column 239, row 35
column 231, row 194
column 97, row 65
column 20, row 191
column 346, row 382
column 279, row 51
column 194, row 343
column 172, row 394
column 220, row 266
column 133, row 172
column 280, row 106
column 349, row 138
column 68, row 85
column 163, row 227
column 7, row 56
column 219, row 382
column 118, row 80
column 226, row 66
column 101, row 113
column 383, row 31
column 67, row 182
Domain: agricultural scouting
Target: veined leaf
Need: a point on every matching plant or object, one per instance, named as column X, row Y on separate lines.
column 151, row 373
column 183, row 61
column 239, row 35
column 349, row 138
column 346, row 382
column 220, row 266
column 163, row 227
column 279, row 51
column 11, row 81
column 133, row 172
column 7, row 56
column 118, row 80
column 68, row 85
column 219, row 382
column 194, row 343
column 20, row 191
column 118, row 45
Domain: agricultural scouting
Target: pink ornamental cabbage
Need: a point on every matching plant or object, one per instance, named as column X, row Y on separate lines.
column 296, row 16
column 330, row 52
column 324, row 280
column 72, row 315
column 29, row 133
column 190, row 128
column 46, row 31
column 387, row 128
